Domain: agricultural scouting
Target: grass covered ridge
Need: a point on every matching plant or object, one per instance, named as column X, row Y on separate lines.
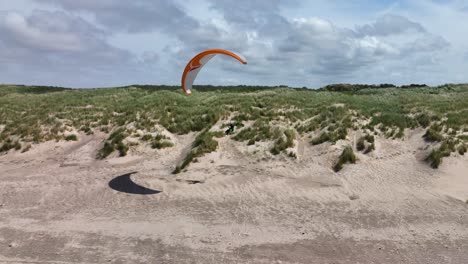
column 30, row 114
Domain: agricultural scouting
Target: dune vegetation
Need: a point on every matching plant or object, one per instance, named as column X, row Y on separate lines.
column 33, row 114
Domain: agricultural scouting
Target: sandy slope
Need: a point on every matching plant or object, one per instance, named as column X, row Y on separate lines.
column 56, row 206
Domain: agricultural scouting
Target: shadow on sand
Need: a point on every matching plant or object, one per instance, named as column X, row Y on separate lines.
column 124, row 183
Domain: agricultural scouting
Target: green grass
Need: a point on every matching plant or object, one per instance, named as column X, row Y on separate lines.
column 204, row 143
column 122, row 148
column 17, row 145
column 369, row 138
column 462, row 149
column 106, row 150
column 366, row 144
column 432, row 135
column 114, row 142
column 347, row 156
column 436, row 156
column 332, row 136
column 147, row 137
column 87, row 130
column 423, row 119
column 159, row 141
column 161, row 144
column 7, row 145
column 324, row 137
column 284, row 141
column 71, row 137
column 260, row 131
column 31, row 114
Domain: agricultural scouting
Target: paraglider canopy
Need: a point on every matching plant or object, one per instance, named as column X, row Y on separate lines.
column 196, row 64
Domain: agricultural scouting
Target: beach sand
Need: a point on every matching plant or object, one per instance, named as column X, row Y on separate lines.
column 58, row 204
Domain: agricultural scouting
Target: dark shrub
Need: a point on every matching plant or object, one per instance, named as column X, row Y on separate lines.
column 71, row 137
column 324, row 137
column 360, row 146
column 146, row 137
column 462, row 149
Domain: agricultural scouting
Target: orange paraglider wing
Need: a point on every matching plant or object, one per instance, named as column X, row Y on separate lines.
column 196, row 64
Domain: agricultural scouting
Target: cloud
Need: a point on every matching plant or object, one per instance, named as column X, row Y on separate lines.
column 30, row 34
column 315, row 46
column 75, row 41
column 391, row 25
column 46, row 33
column 279, row 47
column 149, row 57
column 132, row 16
column 426, row 44
column 57, row 43
column 263, row 15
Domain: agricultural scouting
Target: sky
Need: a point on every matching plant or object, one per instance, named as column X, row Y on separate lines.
column 105, row 43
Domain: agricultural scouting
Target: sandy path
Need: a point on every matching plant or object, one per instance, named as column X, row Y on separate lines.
column 56, row 206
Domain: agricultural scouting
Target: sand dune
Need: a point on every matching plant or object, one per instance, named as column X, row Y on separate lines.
column 58, row 205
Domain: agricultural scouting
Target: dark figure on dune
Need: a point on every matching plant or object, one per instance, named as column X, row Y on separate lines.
column 230, row 130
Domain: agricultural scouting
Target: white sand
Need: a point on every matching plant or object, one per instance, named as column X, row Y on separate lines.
column 56, row 205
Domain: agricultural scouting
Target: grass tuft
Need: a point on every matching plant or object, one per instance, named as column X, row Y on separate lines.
column 436, row 156
column 433, row 136
column 114, row 142
column 203, row 144
column 147, row 137
column 347, row 156
column 462, row 149
column 361, row 144
column 7, row 145
column 324, row 137
column 26, row 148
column 71, row 137
column 161, row 144
column 370, row 148
column 283, row 142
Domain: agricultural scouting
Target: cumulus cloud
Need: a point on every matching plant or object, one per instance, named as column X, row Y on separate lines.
column 326, row 43
column 51, row 35
column 288, row 50
column 315, row 46
column 131, row 16
column 30, row 34
column 263, row 15
column 55, row 43
column 280, row 47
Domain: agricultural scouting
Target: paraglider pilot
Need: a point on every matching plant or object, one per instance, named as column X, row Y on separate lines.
column 230, row 130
